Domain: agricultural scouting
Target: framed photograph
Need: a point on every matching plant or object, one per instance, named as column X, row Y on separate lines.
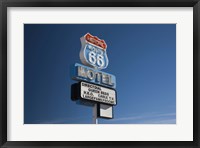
column 104, row 73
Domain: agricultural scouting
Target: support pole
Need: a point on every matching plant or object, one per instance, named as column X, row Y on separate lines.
column 94, row 116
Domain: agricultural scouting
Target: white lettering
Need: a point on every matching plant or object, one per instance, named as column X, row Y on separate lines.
column 96, row 76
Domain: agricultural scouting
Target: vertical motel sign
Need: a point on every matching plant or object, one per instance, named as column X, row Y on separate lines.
column 95, row 87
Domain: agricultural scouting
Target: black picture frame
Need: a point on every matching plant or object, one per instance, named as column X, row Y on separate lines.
column 4, row 4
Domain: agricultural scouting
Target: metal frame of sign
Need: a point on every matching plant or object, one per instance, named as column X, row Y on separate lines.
column 4, row 142
column 75, row 96
column 74, row 92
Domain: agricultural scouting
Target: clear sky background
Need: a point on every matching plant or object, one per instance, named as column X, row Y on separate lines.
column 142, row 57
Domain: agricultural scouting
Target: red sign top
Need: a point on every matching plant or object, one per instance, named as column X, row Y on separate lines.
column 96, row 41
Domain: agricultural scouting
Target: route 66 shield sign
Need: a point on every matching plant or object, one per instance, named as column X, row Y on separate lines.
column 93, row 52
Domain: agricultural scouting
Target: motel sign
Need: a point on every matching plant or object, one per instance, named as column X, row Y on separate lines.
column 94, row 88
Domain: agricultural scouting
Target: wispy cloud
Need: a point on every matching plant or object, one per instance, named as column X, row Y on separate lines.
column 128, row 118
column 165, row 121
column 73, row 120
column 149, row 118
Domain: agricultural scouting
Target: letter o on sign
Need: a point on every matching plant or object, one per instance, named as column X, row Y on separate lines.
column 91, row 74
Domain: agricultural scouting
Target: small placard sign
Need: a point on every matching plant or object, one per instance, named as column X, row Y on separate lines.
column 105, row 111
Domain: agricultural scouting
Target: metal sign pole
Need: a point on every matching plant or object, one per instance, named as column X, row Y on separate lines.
column 94, row 116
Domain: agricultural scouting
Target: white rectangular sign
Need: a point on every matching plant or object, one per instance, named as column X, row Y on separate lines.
column 97, row 93
column 105, row 111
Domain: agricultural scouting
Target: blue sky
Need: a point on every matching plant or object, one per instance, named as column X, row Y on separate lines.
column 141, row 56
